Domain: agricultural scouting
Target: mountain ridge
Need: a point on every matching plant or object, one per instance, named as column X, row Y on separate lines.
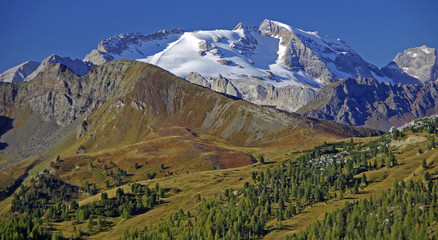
column 149, row 98
column 366, row 102
column 273, row 64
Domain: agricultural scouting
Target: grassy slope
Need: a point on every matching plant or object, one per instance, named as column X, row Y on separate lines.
column 185, row 187
column 409, row 167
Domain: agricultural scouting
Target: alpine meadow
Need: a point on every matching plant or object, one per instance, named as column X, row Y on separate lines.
column 253, row 132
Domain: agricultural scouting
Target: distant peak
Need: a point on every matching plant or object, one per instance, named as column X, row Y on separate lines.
column 423, row 48
column 118, row 43
column 239, row 26
column 54, row 58
column 427, row 50
column 270, row 27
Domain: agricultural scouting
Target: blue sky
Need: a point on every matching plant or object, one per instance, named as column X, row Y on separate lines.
column 376, row 29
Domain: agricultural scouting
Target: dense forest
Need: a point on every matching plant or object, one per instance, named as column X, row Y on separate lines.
column 407, row 211
column 46, row 200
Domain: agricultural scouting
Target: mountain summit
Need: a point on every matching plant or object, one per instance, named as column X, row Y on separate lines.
column 274, row 52
column 273, row 64
column 29, row 70
column 414, row 66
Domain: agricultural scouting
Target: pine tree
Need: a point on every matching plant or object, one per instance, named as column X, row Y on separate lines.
column 355, row 188
column 90, row 225
column 424, row 164
column 125, row 214
column 261, row 160
column 99, row 223
column 364, row 181
column 427, row 176
column 161, row 192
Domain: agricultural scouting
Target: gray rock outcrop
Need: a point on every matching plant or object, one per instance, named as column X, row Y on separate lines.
column 114, row 46
column 320, row 56
column 368, row 103
column 77, row 66
column 196, row 78
column 288, row 98
column 20, row 72
column 414, row 66
column 223, row 85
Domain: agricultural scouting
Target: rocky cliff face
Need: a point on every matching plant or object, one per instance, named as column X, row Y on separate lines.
column 75, row 65
column 20, row 72
column 132, row 44
column 287, row 98
column 414, row 66
column 320, row 56
column 29, row 70
column 366, row 102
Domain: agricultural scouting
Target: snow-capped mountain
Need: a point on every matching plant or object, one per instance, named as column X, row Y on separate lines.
column 132, row 46
column 28, row 70
column 274, row 52
column 274, row 64
column 320, row 56
column 20, row 72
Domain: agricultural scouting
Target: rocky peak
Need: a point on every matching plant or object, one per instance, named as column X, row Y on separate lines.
column 273, row 28
column 414, row 66
column 320, row 56
column 116, row 44
column 79, row 67
column 223, row 85
column 196, row 78
column 29, row 70
column 20, row 72
column 113, row 47
column 246, row 28
column 239, row 26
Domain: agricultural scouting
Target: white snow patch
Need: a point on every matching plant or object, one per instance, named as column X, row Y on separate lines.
column 283, row 25
column 331, row 66
column 382, row 79
column 181, row 57
column 411, row 54
column 425, row 49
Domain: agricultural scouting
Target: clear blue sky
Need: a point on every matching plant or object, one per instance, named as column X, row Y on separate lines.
column 376, row 29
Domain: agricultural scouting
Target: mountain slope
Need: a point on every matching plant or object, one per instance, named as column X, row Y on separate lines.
column 252, row 185
column 366, row 102
column 320, row 56
column 122, row 102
